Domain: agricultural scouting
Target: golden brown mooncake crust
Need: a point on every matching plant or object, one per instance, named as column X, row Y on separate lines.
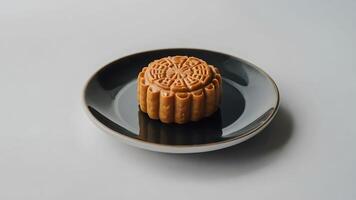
column 179, row 89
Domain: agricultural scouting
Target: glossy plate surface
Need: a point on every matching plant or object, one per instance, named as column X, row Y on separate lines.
column 250, row 101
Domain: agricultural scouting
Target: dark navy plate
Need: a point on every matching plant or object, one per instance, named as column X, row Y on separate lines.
column 250, row 101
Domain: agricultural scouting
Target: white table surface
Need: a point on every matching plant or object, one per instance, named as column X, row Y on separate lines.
column 50, row 150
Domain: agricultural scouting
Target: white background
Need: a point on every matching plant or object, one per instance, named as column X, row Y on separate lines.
column 50, row 150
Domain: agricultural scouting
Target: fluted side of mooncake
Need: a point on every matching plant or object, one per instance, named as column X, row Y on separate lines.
column 179, row 106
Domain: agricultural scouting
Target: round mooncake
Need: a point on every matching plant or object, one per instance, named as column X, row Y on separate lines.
column 179, row 89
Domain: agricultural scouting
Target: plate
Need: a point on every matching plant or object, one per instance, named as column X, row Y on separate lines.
column 250, row 100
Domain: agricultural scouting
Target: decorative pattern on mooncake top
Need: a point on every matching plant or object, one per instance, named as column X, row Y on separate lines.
column 179, row 89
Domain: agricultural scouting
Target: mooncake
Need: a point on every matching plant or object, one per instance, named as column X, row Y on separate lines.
column 179, row 89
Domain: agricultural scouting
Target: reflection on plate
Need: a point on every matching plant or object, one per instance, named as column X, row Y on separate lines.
column 207, row 130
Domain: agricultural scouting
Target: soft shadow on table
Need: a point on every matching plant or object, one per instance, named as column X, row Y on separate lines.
column 234, row 161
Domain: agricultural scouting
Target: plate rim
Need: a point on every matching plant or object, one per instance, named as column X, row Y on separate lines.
column 195, row 148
